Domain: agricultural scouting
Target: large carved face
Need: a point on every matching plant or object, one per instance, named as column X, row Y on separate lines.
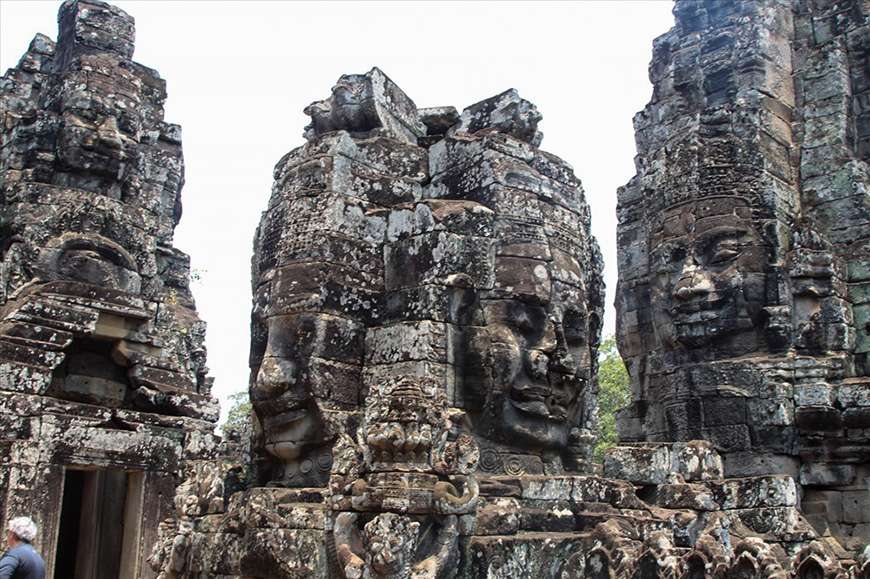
column 709, row 275
column 535, row 345
column 82, row 237
column 282, row 392
column 297, row 377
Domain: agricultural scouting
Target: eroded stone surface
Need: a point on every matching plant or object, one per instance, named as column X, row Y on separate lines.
column 469, row 263
column 423, row 379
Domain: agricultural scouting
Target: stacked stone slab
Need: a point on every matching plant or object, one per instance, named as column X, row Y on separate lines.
column 102, row 361
column 427, row 296
column 743, row 249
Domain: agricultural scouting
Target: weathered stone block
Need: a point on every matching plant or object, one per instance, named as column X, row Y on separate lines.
column 756, row 492
column 696, row 497
column 856, row 506
column 499, row 517
column 284, row 553
column 638, row 464
column 814, row 395
column 696, row 461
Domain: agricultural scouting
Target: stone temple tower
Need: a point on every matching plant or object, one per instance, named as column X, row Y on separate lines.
column 104, row 395
column 425, row 322
column 744, row 244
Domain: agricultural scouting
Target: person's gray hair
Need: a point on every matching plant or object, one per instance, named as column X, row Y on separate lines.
column 24, row 528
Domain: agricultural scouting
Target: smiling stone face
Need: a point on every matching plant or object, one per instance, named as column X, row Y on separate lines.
column 92, row 177
column 319, row 274
column 465, row 258
column 708, row 278
column 538, row 352
column 526, row 369
column 309, row 367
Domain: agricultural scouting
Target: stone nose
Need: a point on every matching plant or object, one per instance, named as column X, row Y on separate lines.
column 538, row 364
column 561, row 359
column 692, row 283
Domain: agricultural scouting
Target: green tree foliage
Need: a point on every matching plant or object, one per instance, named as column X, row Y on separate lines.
column 239, row 415
column 613, row 393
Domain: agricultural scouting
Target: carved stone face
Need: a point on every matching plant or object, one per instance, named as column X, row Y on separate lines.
column 390, row 542
column 536, row 346
column 81, row 237
column 282, row 392
column 288, row 433
column 709, row 276
column 303, row 370
column 99, row 149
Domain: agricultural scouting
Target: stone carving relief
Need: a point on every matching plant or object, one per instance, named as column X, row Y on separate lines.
column 427, row 309
column 417, row 475
column 89, row 211
column 492, row 281
column 740, row 258
column 533, row 323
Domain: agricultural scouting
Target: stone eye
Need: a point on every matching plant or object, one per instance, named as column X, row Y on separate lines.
column 677, row 254
column 724, row 252
column 669, row 256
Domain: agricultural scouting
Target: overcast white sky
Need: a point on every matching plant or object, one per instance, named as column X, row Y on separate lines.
column 240, row 73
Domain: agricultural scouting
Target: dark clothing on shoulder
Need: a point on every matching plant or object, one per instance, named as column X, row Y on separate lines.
column 22, row 562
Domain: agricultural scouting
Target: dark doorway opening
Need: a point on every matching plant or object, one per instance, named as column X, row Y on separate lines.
column 68, row 534
column 98, row 536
